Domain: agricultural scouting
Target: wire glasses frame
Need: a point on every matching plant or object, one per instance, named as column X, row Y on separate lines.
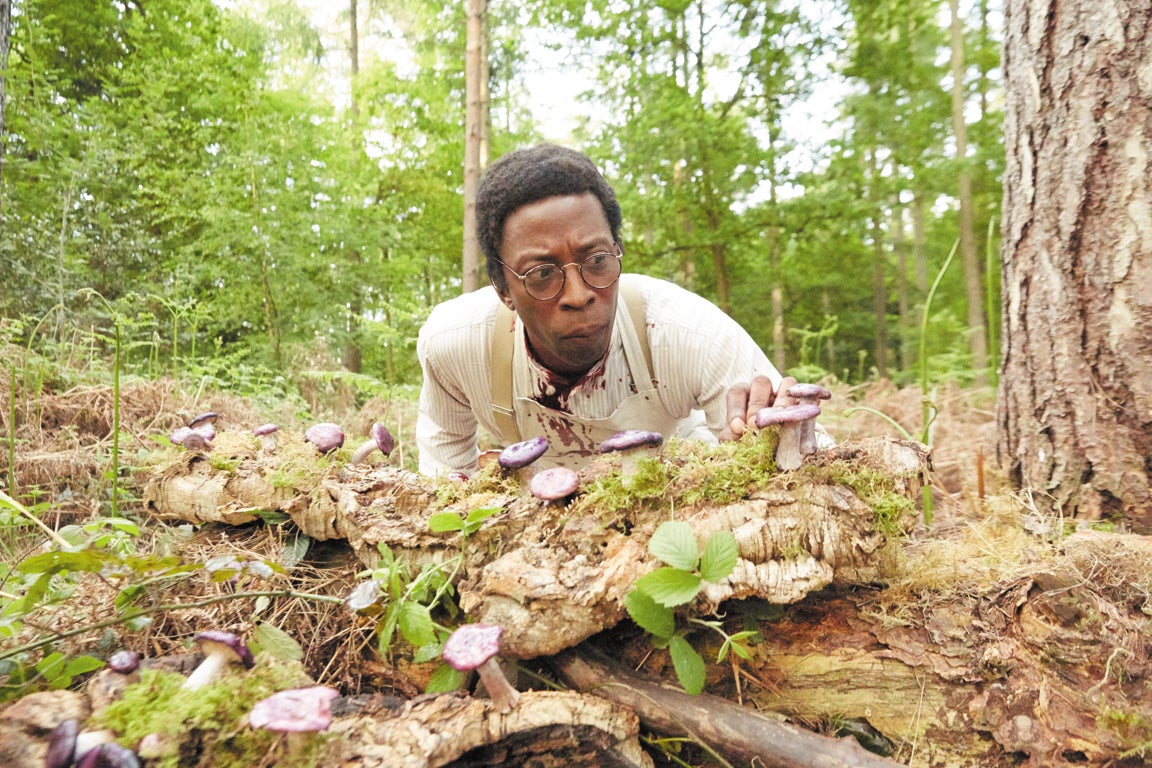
column 546, row 281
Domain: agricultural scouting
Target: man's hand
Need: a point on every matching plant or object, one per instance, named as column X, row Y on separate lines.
column 744, row 400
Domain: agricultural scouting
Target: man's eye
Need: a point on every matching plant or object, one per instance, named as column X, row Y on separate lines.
column 542, row 274
column 597, row 260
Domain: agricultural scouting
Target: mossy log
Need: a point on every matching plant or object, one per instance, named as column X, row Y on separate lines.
column 553, row 574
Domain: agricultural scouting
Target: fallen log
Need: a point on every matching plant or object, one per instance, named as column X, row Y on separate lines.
column 546, row 728
column 553, row 574
column 739, row 734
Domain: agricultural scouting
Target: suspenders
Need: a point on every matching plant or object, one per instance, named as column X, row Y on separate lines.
column 504, row 337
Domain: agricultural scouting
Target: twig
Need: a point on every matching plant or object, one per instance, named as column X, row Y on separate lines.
column 6, row 499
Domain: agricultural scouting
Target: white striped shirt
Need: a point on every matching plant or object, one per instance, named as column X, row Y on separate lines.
column 698, row 353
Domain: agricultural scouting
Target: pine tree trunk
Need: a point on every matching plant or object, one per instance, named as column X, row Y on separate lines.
column 5, row 38
column 1075, row 405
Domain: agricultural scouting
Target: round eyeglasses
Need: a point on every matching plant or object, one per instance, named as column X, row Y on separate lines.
column 545, row 282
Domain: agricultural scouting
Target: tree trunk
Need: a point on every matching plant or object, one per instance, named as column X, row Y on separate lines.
column 353, row 357
column 473, row 120
column 972, row 280
column 5, row 39
column 879, row 270
column 1075, row 407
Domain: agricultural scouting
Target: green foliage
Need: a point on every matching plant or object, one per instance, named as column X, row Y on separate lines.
column 656, row 593
column 208, row 720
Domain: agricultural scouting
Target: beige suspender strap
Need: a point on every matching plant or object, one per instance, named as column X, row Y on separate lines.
column 504, row 339
column 638, row 311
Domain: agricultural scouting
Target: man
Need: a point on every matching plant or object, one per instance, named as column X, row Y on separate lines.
column 568, row 358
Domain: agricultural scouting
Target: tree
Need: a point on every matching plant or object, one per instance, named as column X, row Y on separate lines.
column 5, row 36
column 1075, row 407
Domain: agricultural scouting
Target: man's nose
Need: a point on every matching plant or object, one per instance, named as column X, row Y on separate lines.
column 576, row 292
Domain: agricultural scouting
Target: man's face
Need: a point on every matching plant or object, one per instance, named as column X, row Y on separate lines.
column 569, row 333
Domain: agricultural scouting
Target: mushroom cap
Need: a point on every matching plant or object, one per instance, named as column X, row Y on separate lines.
column 326, row 437
column 471, row 645
column 808, row 392
column 110, row 755
column 629, row 439
column 62, row 744
column 384, row 440
column 792, row 414
column 554, row 483
column 215, row 641
column 523, row 453
column 296, row 710
column 192, row 439
column 204, row 418
column 265, row 429
column 124, row 662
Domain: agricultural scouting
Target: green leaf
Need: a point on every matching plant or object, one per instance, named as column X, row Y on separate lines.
column 81, row 664
column 649, row 615
column 444, row 679
column 426, row 653
column 442, row 522
column 720, row 556
column 675, row 544
column 416, row 624
column 688, row 664
column 295, row 550
column 669, row 586
column 276, row 642
column 54, row 562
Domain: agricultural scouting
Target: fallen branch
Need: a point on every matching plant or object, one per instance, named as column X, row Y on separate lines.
column 734, row 731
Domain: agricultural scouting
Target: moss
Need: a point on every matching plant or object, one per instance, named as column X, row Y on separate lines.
column 877, row 490
column 204, row 727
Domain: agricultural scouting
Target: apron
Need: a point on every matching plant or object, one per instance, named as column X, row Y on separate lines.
column 572, row 439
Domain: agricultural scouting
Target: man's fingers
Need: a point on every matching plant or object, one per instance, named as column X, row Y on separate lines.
column 760, row 395
column 780, row 399
column 736, row 402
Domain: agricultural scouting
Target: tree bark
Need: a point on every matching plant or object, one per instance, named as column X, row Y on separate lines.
column 5, row 42
column 736, row 732
column 1075, row 406
column 473, row 134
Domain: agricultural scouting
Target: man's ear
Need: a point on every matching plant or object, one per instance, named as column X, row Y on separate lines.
column 507, row 299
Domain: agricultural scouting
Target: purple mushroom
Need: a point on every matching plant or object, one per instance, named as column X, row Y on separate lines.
column 381, row 440
column 298, row 710
column 521, row 454
column 267, row 435
column 199, row 439
column 632, row 445
column 202, row 419
column 790, row 420
column 554, row 484
column 67, row 744
column 124, row 662
column 326, row 437
column 220, row 649
column 808, row 394
column 475, row 647
column 110, row 755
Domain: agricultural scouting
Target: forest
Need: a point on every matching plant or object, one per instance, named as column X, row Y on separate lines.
column 244, row 211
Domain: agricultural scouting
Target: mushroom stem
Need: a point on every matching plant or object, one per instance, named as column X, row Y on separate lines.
column 207, row 671
column 504, row 696
column 364, row 451
column 788, row 454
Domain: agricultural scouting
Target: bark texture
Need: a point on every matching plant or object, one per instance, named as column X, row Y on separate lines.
column 554, row 574
column 1075, row 406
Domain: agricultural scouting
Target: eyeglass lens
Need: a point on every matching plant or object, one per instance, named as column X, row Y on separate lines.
column 599, row 270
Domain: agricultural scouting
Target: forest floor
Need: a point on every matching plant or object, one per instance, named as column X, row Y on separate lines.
column 993, row 636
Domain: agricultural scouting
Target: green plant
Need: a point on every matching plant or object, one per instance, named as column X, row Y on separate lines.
column 657, row 593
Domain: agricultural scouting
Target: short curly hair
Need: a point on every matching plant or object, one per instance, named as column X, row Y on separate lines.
column 526, row 176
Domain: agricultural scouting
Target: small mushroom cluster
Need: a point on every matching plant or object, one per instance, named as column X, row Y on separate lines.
column 797, row 424
column 198, row 434
column 552, row 484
